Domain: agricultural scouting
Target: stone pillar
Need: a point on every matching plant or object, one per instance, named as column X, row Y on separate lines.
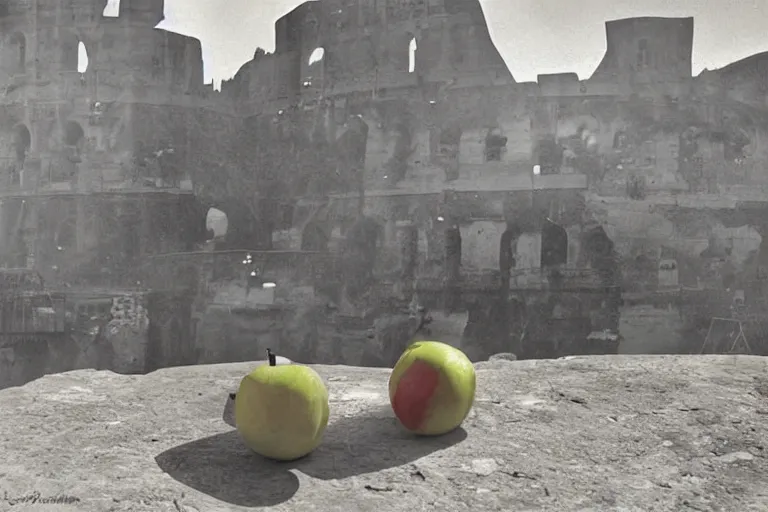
column 761, row 277
column 81, row 228
column 30, row 174
column 145, row 232
column 452, row 266
column 408, row 237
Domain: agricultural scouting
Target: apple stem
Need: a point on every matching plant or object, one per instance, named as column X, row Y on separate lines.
column 271, row 357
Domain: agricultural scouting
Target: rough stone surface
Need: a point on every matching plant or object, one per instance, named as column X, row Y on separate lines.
column 583, row 433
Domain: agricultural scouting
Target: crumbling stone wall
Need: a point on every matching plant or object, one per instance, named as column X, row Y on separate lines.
column 97, row 240
column 456, row 120
column 703, row 243
column 648, row 51
column 76, row 113
column 103, row 332
column 367, row 46
column 127, row 333
column 25, row 360
column 612, row 134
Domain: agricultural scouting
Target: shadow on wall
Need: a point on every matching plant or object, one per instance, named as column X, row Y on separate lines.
column 227, row 335
column 649, row 330
column 104, row 334
column 24, row 359
column 222, row 467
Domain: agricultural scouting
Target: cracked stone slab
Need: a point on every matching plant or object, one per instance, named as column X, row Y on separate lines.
column 663, row 433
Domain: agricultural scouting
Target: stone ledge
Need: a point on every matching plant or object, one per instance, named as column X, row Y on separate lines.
column 660, row 433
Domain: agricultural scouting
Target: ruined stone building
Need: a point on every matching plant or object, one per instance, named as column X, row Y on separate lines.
column 394, row 164
column 99, row 112
column 102, row 123
column 487, row 195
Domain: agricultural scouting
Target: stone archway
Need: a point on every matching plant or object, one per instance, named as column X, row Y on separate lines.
column 508, row 253
column 554, row 245
column 83, row 60
column 72, row 143
column 18, row 42
column 75, row 53
column 216, row 223
column 413, row 47
column 314, row 238
column 600, row 254
column 452, row 266
column 351, row 148
column 22, row 142
column 74, row 135
column 111, row 9
column 360, row 254
column 317, row 56
column 247, row 228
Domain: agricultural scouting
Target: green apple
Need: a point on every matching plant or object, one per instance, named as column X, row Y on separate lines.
column 432, row 388
column 281, row 411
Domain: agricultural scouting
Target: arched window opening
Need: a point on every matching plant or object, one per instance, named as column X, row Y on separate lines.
column 216, row 223
column 452, row 268
column 620, row 140
column 21, row 144
column 508, row 251
column 112, row 9
column 353, row 143
column 601, row 255
column 554, row 245
column 360, row 254
column 65, row 235
column 643, row 56
column 82, row 58
column 72, row 142
column 316, row 56
column 73, row 134
column 314, row 238
column 315, row 61
column 734, row 146
column 643, row 274
column 495, row 144
column 19, row 45
column 74, row 138
column 668, row 273
column 449, row 147
column 450, row 138
column 409, row 253
column 22, row 141
column 550, row 156
column 412, row 47
column 285, row 212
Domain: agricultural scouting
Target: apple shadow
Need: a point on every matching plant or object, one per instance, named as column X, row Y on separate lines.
column 228, row 415
column 367, row 442
column 222, row 467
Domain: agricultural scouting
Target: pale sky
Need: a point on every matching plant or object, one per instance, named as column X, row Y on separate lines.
column 533, row 36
